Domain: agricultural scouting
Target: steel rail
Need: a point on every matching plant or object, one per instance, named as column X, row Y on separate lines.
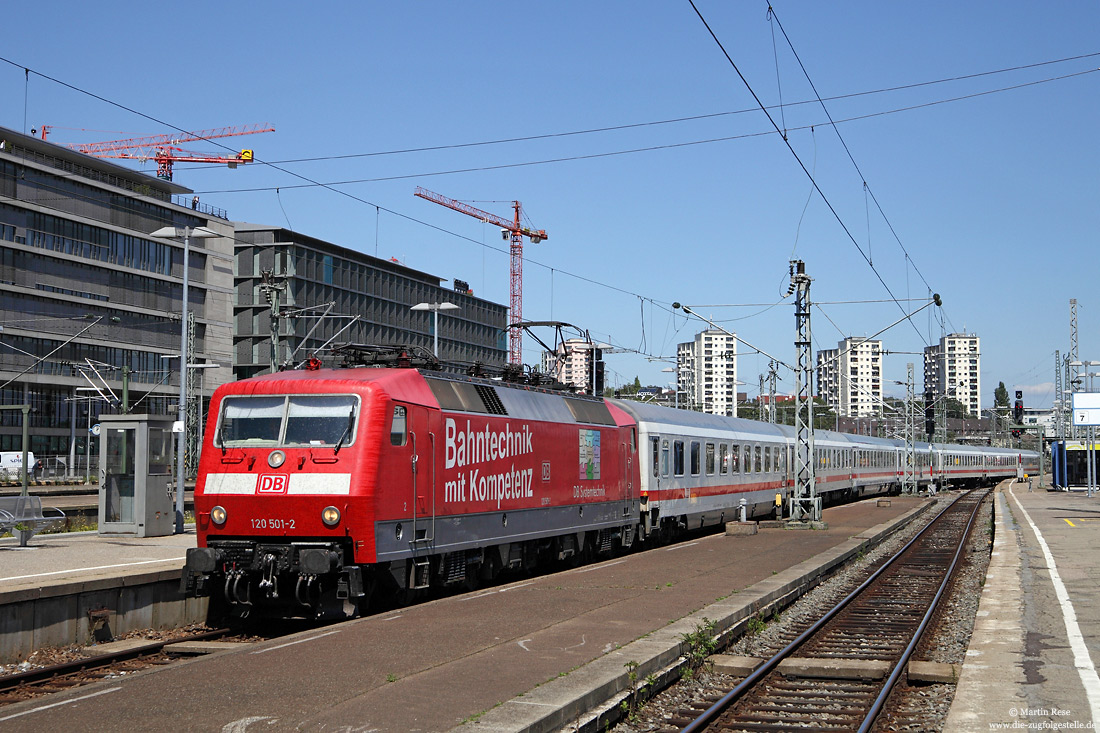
column 710, row 714
column 896, row 673
column 44, row 675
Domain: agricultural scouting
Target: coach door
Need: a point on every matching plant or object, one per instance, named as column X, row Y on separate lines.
column 422, row 439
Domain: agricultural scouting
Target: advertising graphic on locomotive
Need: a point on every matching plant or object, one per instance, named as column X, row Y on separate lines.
column 319, row 489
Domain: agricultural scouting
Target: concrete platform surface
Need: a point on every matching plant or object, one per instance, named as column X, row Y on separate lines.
column 53, row 562
column 522, row 656
column 1031, row 660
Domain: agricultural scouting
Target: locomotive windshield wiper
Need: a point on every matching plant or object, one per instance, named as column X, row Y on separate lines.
column 347, row 430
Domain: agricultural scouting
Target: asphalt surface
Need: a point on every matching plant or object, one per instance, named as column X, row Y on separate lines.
column 472, row 658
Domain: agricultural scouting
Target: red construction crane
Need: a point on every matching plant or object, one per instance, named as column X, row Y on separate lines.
column 165, row 150
column 516, row 232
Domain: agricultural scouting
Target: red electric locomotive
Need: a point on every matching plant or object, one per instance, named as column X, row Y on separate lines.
column 317, row 488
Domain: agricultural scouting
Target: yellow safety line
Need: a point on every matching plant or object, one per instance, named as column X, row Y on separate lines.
column 1068, row 522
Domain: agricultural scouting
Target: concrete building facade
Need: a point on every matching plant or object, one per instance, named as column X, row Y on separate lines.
column 306, row 273
column 849, row 377
column 706, row 373
column 952, row 368
column 572, row 364
column 88, row 297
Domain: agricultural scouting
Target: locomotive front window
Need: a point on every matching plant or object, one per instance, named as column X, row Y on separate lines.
column 251, row 420
column 320, row 420
column 291, row 420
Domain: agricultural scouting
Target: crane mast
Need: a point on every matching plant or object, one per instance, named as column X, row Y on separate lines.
column 515, row 232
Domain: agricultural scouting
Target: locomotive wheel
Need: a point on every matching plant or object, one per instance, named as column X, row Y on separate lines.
column 490, row 566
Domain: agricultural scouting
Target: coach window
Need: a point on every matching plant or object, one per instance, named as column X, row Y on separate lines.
column 678, row 457
column 767, row 459
column 656, row 454
column 723, row 458
column 398, row 429
column 758, row 465
column 664, row 458
column 735, row 458
column 694, row 458
column 710, row 459
column 747, row 461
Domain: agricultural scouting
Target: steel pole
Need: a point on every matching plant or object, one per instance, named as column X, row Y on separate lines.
column 181, row 412
column 435, row 329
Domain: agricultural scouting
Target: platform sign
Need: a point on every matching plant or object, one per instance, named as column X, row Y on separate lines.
column 1086, row 408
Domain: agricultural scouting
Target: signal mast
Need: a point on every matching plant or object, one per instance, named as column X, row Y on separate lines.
column 515, row 231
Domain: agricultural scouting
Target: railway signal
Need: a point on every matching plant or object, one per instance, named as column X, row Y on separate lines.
column 1018, row 409
column 929, row 415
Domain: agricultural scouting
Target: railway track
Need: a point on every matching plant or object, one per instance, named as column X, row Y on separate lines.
column 865, row 642
column 58, row 677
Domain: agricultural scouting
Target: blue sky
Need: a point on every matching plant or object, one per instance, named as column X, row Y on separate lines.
column 994, row 197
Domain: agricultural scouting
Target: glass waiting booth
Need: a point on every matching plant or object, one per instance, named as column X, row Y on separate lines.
column 135, row 472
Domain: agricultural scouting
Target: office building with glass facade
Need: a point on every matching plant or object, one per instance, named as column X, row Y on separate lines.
column 305, row 274
column 90, row 301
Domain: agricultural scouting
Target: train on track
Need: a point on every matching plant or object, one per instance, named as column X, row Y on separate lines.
column 322, row 488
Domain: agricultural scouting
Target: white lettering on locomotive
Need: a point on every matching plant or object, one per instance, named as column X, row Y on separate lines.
column 466, row 448
column 470, row 446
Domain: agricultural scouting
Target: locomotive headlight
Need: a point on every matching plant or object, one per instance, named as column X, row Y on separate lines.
column 218, row 515
column 276, row 458
column 330, row 515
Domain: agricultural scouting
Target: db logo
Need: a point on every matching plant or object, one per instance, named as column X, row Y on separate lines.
column 272, row 483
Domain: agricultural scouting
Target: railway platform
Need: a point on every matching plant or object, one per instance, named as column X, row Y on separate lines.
column 1031, row 660
column 62, row 588
column 530, row 655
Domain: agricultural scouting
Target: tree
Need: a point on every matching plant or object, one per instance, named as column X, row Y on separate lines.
column 1000, row 396
column 956, row 409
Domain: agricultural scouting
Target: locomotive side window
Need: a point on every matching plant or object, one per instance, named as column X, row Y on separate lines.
column 251, row 420
column 710, row 459
column 678, row 457
column 723, row 458
column 664, row 458
column 694, row 458
column 399, row 427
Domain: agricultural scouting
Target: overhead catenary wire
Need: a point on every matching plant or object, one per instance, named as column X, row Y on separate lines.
column 630, row 151
column 692, row 118
column 802, row 165
column 866, row 187
column 331, row 188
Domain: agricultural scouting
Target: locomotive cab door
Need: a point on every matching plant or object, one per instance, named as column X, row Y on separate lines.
column 422, row 503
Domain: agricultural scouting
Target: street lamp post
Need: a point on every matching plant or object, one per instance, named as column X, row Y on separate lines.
column 435, row 308
column 186, row 233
